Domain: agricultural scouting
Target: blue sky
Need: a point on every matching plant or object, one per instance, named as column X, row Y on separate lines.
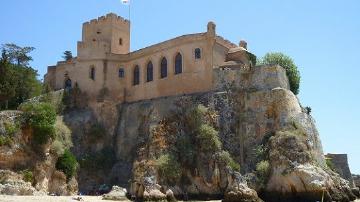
column 322, row 36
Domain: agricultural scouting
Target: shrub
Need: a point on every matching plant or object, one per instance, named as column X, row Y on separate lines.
column 185, row 149
column 168, row 168
column 5, row 140
column 196, row 116
column 67, row 164
column 11, row 128
column 226, row 158
column 263, row 171
column 308, row 110
column 208, row 138
column 41, row 118
column 330, row 164
column 27, row 176
column 288, row 64
column 62, row 140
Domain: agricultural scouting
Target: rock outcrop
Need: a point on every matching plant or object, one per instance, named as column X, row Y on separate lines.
column 193, row 146
column 20, row 159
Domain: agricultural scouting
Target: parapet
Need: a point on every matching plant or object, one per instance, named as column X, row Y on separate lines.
column 110, row 17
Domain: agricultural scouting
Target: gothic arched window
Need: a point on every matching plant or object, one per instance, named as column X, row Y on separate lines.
column 178, row 64
column 163, row 68
column 136, row 79
column 149, row 72
column 121, row 72
column 197, row 53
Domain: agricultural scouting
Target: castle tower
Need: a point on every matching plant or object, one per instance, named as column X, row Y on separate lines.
column 107, row 34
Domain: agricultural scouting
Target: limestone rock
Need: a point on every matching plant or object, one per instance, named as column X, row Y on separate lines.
column 13, row 184
column 238, row 190
column 170, row 196
column 116, row 194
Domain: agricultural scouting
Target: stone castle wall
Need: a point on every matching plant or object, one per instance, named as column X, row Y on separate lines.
column 105, row 48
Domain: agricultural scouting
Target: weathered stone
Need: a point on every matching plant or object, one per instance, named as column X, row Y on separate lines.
column 116, row 194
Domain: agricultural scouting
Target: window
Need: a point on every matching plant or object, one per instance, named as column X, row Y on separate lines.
column 136, row 79
column 178, row 64
column 92, row 73
column 163, row 68
column 120, row 41
column 121, row 72
column 149, row 72
column 197, row 53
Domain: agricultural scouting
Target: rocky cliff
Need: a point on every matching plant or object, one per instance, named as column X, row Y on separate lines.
column 248, row 139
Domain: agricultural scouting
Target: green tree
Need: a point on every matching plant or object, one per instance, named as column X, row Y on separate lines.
column 16, row 54
column 67, row 55
column 276, row 58
column 18, row 81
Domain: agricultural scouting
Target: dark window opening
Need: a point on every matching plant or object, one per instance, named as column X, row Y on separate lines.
column 120, row 41
column 178, row 64
column 121, row 73
column 92, row 73
column 149, row 72
column 136, row 79
column 94, row 39
column 68, row 84
column 163, row 68
column 197, row 53
column 98, row 32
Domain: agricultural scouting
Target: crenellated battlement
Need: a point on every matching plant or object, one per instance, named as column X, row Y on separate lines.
column 111, row 17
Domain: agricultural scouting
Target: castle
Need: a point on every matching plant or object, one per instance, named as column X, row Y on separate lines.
column 182, row 65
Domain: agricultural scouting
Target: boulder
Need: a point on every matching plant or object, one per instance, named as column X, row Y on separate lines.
column 116, row 194
column 12, row 184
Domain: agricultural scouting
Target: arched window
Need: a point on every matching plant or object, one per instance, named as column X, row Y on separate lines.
column 121, row 72
column 68, row 84
column 178, row 64
column 120, row 41
column 163, row 68
column 136, row 79
column 197, row 53
column 149, row 72
column 92, row 73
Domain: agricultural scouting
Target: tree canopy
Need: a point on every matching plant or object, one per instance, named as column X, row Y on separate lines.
column 18, row 81
column 277, row 58
column 67, row 55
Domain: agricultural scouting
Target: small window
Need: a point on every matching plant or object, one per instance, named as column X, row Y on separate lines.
column 120, row 42
column 136, row 79
column 121, row 73
column 98, row 32
column 163, row 68
column 149, row 72
column 178, row 64
column 92, row 73
column 197, row 53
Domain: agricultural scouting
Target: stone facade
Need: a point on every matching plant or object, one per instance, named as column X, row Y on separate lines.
column 105, row 65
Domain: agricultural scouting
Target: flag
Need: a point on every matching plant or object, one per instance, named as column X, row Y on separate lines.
column 126, row 2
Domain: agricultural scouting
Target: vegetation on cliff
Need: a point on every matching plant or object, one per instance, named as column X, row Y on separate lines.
column 41, row 118
column 67, row 163
column 292, row 72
